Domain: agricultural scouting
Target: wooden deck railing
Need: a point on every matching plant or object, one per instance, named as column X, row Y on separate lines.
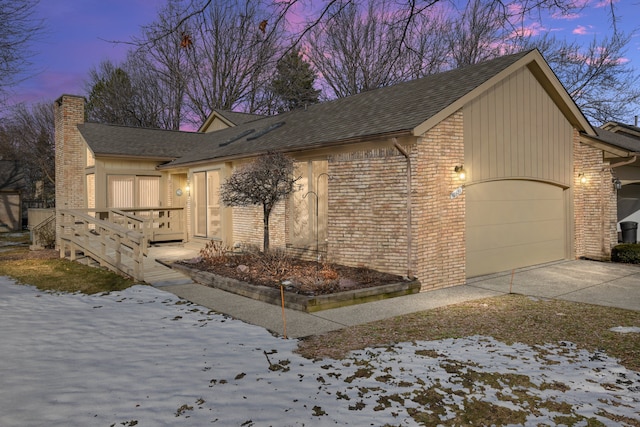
column 114, row 246
column 158, row 224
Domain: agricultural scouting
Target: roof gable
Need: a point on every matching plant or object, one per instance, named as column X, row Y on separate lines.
column 534, row 61
column 227, row 119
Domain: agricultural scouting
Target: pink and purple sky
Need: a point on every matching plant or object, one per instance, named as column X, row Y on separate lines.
column 79, row 31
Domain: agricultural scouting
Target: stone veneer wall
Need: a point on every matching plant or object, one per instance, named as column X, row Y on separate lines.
column 595, row 203
column 69, row 155
column 367, row 210
column 439, row 220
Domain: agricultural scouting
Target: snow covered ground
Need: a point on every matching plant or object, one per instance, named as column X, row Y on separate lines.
column 144, row 357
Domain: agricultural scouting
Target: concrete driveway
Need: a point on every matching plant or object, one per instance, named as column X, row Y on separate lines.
column 592, row 282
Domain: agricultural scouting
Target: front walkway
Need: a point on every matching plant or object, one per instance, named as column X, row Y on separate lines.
column 615, row 285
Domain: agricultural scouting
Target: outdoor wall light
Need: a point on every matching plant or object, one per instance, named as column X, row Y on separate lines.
column 188, row 189
column 462, row 174
column 617, row 183
column 583, row 179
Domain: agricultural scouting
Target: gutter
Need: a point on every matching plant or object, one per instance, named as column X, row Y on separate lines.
column 409, row 235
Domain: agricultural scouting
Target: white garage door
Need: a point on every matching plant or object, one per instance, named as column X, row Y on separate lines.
column 512, row 224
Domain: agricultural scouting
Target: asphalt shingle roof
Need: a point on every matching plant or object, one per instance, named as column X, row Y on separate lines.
column 393, row 109
column 112, row 140
column 620, row 140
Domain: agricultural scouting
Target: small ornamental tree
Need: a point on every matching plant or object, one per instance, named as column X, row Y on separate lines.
column 266, row 180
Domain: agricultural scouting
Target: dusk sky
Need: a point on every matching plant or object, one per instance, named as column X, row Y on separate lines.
column 79, row 31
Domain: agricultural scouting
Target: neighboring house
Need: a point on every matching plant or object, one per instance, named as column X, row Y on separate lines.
column 382, row 167
column 626, row 137
column 11, row 188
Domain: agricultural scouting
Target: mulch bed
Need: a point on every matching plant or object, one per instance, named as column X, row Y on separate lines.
column 298, row 276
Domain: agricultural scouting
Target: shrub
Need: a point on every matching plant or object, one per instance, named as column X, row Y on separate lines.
column 214, row 251
column 627, row 252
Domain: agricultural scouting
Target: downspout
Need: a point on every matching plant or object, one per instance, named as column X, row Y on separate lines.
column 604, row 248
column 409, row 236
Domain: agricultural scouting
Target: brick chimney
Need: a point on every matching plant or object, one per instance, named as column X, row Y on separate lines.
column 70, row 154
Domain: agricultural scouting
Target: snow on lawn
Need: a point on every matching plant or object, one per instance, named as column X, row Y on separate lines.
column 144, row 357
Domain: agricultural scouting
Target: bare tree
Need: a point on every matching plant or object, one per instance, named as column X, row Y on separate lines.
column 231, row 57
column 427, row 48
column 598, row 77
column 29, row 131
column 265, row 181
column 163, row 66
column 358, row 50
column 18, row 29
column 477, row 34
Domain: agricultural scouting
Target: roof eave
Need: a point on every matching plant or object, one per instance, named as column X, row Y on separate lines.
column 613, row 150
column 310, row 147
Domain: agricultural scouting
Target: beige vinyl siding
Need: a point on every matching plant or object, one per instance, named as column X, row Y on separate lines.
column 515, row 130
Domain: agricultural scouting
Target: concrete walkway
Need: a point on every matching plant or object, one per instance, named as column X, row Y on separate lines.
column 592, row 282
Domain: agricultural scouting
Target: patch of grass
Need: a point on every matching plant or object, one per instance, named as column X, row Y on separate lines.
column 63, row 275
column 44, row 270
column 508, row 318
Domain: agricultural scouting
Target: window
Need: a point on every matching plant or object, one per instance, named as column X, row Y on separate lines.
column 130, row 191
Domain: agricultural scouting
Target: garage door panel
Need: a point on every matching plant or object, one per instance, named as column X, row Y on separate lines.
column 500, row 212
column 513, row 258
column 513, row 224
column 510, row 235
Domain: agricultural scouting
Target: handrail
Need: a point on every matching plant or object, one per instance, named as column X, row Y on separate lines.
column 36, row 230
column 111, row 245
column 158, row 224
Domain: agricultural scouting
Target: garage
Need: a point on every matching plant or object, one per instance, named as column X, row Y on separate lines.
column 512, row 224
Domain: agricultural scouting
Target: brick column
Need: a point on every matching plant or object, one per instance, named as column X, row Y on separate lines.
column 70, row 152
column 440, row 220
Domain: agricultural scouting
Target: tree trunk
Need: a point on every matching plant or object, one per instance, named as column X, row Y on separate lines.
column 266, row 213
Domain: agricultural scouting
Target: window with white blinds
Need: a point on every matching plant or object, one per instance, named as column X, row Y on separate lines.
column 130, row 191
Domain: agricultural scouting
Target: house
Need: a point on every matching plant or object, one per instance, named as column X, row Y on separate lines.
column 11, row 188
column 381, row 183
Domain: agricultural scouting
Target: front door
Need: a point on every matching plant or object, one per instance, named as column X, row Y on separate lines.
column 207, row 209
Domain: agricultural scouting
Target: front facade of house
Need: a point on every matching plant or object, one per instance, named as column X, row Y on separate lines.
column 379, row 175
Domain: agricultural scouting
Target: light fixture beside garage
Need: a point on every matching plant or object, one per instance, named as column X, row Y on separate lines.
column 582, row 178
column 462, row 174
column 617, row 183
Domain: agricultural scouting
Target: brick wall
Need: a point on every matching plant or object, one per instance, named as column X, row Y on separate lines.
column 70, row 153
column 595, row 204
column 248, row 226
column 439, row 220
column 367, row 210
